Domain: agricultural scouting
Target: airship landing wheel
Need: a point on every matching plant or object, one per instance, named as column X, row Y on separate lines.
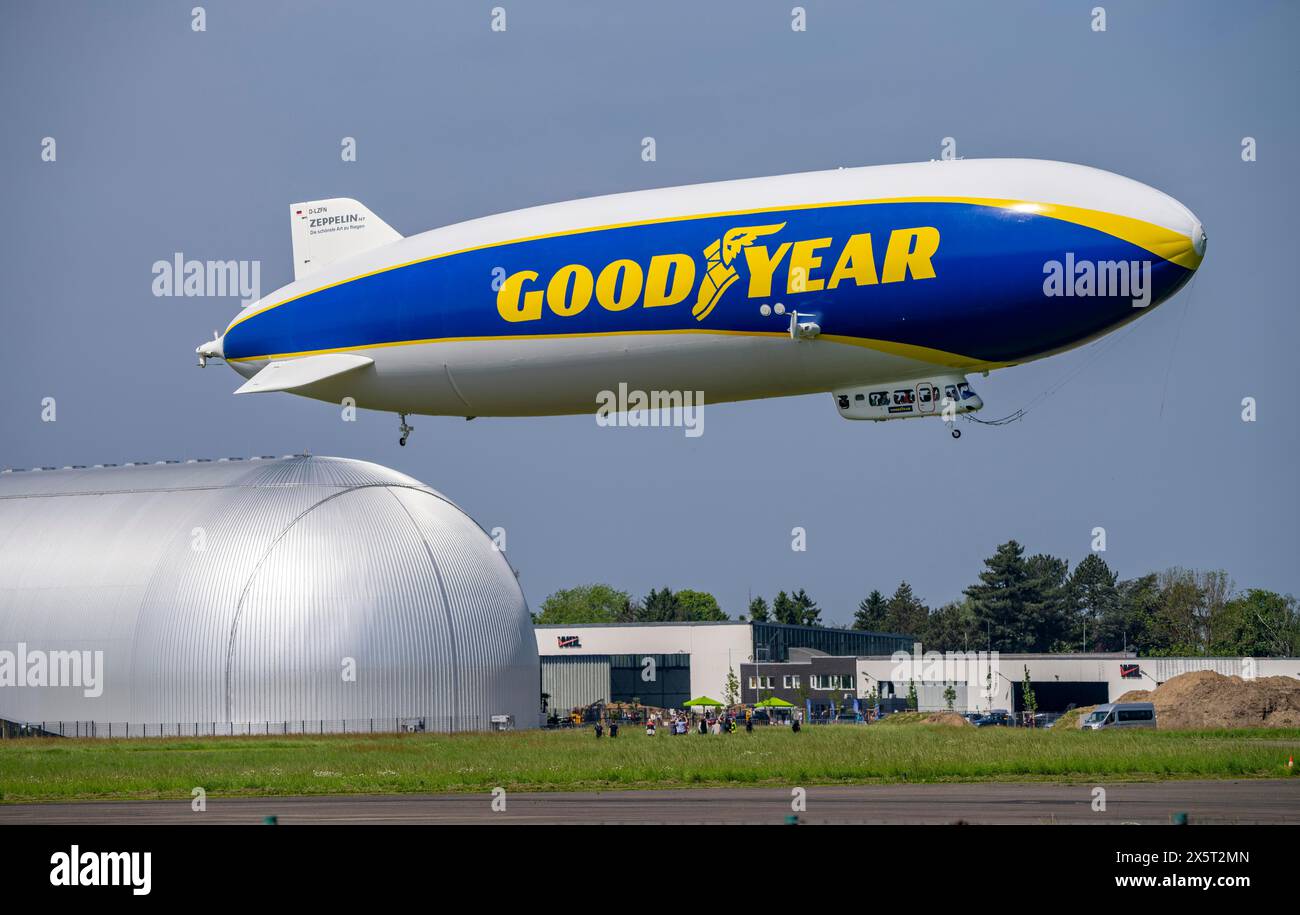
column 405, row 430
column 956, row 433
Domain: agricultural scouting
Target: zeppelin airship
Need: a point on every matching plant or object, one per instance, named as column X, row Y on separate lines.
column 885, row 286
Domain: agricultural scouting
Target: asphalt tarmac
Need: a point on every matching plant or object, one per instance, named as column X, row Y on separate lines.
column 1253, row 801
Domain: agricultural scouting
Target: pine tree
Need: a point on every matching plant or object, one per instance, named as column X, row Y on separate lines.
column 659, row 607
column 809, row 614
column 1093, row 602
column 1135, row 618
column 784, row 609
column 1003, row 599
column 905, row 613
column 758, row 610
column 1047, row 604
column 952, row 627
column 871, row 612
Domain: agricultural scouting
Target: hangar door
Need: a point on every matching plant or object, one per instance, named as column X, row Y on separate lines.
column 1058, row 695
column 659, row 680
column 574, row 681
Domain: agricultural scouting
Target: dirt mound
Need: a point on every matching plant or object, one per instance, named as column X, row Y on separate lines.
column 1073, row 719
column 1136, row 695
column 1205, row 699
column 949, row 719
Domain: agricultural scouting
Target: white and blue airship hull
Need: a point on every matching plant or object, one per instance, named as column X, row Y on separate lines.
column 838, row 281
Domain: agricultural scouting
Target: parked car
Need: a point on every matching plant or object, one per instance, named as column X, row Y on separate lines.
column 999, row 718
column 1121, row 715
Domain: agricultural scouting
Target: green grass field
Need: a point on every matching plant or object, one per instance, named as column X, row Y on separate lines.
column 55, row 769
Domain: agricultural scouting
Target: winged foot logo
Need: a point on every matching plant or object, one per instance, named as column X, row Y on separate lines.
column 720, row 274
column 669, row 279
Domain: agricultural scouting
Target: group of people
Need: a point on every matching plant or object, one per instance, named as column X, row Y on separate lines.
column 719, row 722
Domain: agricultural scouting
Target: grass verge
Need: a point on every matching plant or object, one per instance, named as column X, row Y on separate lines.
column 57, row 770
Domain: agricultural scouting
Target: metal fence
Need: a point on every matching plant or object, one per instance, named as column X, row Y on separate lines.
column 122, row 729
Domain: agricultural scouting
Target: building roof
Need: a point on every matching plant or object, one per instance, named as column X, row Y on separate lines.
column 641, row 625
column 292, row 470
column 786, row 626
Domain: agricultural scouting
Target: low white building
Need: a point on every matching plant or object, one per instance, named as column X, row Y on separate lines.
column 983, row 682
column 665, row 664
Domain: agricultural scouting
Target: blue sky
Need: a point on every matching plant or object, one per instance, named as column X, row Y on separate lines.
column 170, row 140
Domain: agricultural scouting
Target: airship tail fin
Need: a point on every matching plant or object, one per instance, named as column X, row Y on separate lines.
column 326, row 231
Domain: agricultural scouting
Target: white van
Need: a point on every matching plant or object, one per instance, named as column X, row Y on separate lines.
column 1121, row 715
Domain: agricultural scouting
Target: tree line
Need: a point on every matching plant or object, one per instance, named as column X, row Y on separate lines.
column 600, row 603
column 1037, row 604
column 1019, row 604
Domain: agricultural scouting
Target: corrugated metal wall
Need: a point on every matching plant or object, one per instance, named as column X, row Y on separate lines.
column 575, row 681
column 241, row 591
column 1162, row 669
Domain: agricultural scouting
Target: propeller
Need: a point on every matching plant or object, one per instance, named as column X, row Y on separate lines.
column 210, row 350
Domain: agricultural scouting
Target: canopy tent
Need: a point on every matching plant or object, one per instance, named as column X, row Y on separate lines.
column 704, row 701
column 773, row 702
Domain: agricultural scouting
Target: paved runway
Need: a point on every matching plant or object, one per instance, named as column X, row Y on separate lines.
column 1246, row 802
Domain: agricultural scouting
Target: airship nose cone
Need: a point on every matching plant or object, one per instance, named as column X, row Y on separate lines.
column 1198, row 238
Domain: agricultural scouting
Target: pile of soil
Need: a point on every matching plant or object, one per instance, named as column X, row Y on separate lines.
column 1136, row 695
column 1073, row 719
column 949, row 719
column 1205, row 699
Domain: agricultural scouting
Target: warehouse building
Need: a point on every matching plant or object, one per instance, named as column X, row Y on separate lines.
column 249, row 596
column 665, row 664
column 1059, row 681
column 978, row 681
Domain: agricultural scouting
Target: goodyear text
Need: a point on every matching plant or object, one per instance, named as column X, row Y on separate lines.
column 803, row 266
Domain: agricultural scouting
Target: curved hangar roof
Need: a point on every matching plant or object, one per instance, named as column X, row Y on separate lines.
column 237, row 590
